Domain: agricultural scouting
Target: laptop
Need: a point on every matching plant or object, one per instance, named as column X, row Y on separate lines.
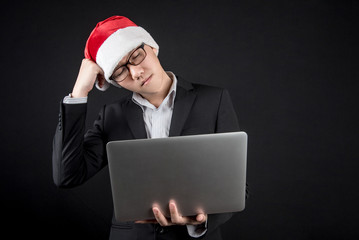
column 201, row 173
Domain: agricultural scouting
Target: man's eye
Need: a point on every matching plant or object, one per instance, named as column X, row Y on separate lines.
column 135, row 55
column 118, row 72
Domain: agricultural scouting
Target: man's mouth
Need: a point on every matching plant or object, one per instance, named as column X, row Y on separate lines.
column 146, row 81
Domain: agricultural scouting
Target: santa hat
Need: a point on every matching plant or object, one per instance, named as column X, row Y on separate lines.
column 111, row 40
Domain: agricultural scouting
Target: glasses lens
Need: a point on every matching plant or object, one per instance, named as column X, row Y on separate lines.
column 120, row 74
column 137, row 56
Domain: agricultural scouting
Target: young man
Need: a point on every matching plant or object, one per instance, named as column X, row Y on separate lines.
column 120, row 53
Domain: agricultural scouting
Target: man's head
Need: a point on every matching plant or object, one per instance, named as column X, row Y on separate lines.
column 140, row 71
column 112, row 40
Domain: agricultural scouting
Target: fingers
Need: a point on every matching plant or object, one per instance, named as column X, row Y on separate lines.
column 201, row 218
column 161, row 219
column 178, row 219
column 175, row 217
column 88, row 73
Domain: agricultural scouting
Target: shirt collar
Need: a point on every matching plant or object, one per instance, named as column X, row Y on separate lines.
column 168, row 101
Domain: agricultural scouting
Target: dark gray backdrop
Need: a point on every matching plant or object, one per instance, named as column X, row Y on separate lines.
column 291, row 68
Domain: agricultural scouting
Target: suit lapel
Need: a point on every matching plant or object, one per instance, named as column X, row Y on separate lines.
column 182, row 106
column 134, row 117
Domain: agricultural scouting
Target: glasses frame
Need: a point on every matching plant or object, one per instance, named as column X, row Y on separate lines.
column 128, row 62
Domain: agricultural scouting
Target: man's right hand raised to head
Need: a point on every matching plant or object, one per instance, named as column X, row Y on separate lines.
column 89, row 72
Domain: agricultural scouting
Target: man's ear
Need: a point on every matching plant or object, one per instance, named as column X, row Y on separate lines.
column 155, row 50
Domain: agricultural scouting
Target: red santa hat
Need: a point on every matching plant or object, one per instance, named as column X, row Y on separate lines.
column 111, row 40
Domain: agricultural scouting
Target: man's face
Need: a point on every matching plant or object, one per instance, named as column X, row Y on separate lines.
column 146, row 78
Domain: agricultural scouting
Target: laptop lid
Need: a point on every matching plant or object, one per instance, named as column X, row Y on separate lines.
column 202, row 173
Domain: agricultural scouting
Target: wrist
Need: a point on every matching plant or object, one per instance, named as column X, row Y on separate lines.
column 78, row 94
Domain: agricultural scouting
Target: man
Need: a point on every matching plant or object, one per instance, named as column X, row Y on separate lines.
column 120, row 53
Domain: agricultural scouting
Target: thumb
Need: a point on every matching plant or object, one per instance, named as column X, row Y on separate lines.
column 101, row 80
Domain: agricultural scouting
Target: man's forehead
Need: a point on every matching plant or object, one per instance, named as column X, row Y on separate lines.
column 125, row 58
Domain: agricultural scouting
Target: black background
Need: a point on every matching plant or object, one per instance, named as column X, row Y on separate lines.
column 291, row 68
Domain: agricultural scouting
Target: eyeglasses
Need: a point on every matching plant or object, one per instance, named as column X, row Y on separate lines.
column 135, row 58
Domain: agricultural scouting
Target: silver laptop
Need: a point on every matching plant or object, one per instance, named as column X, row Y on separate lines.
column 202, row 173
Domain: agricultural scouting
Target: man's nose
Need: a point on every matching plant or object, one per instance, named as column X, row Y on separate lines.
column 136, row 71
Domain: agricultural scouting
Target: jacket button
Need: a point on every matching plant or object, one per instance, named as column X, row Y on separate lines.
column 160, row 229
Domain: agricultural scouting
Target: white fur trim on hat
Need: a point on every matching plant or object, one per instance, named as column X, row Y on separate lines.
column 118, row 45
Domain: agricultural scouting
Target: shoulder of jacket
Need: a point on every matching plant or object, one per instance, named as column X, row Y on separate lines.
column 198, row 86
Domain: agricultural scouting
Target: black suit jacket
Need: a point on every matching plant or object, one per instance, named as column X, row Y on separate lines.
column 77, row 156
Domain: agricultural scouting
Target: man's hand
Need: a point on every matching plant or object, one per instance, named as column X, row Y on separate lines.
column 176, row 217
column 89, row 72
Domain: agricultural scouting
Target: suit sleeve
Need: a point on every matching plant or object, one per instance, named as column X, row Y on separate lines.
column 76, row 157
column 227, row 121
